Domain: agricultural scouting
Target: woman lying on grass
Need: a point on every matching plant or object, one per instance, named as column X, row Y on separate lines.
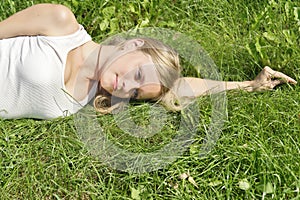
column 50, row 67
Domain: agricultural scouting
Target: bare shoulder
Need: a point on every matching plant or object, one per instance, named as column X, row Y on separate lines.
column 59, row 17
column 40, row 19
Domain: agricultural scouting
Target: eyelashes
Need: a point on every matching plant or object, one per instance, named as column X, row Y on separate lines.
column 138, row 77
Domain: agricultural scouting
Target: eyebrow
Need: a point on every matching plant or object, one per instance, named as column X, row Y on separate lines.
column 140, row 95
column 141, row 92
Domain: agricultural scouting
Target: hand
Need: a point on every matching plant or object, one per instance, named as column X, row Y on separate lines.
column 268, row 79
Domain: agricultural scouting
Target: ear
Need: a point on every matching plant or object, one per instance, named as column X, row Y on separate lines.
column 133, row 44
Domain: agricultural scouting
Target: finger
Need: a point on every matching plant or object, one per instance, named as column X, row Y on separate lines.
column 280, row 75
column 276, row 82
column 284, row 78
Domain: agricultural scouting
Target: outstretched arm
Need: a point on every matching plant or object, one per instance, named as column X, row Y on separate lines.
column 267, row 79
column 40, row 19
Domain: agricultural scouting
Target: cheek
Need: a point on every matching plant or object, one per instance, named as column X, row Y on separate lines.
column 115, row 68
column 121, row 67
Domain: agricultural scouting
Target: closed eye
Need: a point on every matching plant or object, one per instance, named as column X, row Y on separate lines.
column 139, row 74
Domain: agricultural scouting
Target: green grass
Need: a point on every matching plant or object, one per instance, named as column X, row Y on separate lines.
column 259, row 144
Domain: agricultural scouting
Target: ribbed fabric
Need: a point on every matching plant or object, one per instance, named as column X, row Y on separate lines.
column 32, row 76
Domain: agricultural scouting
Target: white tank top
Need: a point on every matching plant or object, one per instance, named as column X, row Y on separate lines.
column 32, row 76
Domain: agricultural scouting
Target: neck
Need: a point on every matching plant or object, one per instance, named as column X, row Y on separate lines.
column 90, row 54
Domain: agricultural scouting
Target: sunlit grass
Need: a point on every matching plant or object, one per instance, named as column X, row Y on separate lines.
column 257, row 155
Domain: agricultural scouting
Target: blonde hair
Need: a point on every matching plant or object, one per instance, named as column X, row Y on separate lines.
column 167, row 65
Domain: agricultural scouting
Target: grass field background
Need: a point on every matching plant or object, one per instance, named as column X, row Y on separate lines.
column 257, row 155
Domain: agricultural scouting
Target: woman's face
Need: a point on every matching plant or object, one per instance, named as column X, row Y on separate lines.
column 131, row 75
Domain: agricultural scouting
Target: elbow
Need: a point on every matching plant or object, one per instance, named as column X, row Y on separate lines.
column 62, row 15
column 64, row 18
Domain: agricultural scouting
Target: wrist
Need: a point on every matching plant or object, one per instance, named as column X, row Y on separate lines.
column 247, row 86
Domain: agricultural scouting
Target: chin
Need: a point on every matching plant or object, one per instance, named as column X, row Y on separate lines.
column 106, row 87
